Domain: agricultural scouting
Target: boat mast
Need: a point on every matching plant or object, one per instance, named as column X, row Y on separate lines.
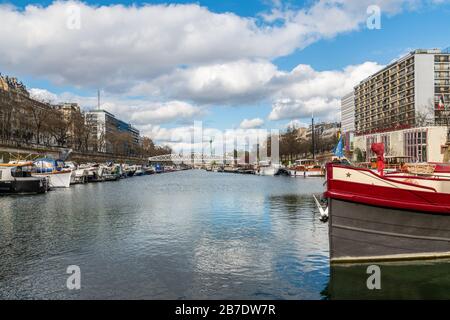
column 313, row 137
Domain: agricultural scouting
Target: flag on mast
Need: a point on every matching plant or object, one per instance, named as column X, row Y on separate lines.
column 441, row 103
column 339, row 149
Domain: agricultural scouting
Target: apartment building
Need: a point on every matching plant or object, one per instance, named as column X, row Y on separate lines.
column 348, row 119
column 403, row 93
column 406, row 105
column 109, row 130
column 132, row 131
column 348, row 112
column 71, row 113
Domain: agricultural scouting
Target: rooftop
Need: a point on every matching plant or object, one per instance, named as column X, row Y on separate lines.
column 410, row 54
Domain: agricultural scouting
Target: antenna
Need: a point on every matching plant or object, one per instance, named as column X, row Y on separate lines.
column 98, row 99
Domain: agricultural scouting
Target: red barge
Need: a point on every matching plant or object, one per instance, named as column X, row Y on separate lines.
column 386, row 217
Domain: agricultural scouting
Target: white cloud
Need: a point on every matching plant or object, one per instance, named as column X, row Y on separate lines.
column 168, row 135
column 298, row 108
column 296, row 123
column 252, row 123
column 249, row 82
column 178, row 58
column 43, row 95
column 242, row 81
column 305, row 91
column 294, row 94
column 139, row 112
column 118, row 47
column 164, row 112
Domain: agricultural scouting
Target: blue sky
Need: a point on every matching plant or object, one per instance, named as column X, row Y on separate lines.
column 238, row 62
column 242, row 8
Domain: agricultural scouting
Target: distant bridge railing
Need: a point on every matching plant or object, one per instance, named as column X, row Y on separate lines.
column 193, row 158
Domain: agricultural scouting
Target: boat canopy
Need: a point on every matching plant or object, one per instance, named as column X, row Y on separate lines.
column 11, row 171
column 48, row 165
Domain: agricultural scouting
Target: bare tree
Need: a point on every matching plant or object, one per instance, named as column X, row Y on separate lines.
column 59, row 127
column 425, row 116
column 6, row 113
column 40, row 113
column 88, row 134
column 430, row 115
column 79, row 128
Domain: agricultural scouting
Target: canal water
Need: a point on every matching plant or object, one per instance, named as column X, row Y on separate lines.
column 186, row 235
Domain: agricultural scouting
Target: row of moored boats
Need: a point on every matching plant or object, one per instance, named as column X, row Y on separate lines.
column 43, row 174
column 300, row 168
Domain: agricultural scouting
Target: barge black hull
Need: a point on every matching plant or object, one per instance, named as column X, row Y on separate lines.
column 25, row 186
column 362, row 233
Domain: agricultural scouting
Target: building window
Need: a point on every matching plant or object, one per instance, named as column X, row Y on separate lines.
column 415, row 145
column 386, row 139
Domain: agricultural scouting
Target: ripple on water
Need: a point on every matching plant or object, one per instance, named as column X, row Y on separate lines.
column 184, row 235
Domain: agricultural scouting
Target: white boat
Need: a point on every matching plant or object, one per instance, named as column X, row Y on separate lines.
column 138, row 170
column 110, row 173
column 79, row 175
column 266, row 168
column 54, row 170
column 149, row 170
column 58, row 179
column 129, row 170
column 95, row 173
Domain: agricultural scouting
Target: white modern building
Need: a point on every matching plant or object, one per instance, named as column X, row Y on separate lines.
column 104, row 124
column 403, row 93
column 348, row 119
column 348, row 113
column 406, row 105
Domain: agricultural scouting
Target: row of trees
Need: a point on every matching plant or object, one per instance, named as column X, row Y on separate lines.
column 27, row 122
column 293, row 145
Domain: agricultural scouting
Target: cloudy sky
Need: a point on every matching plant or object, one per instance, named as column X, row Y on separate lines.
column 233, row 64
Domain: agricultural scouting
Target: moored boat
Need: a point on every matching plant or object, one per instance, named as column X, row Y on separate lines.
column 129, row 170
column 306, row 168
column 79, row 175
column 159, row 168
column 173, row 169
column 17, row 179
column 138, row 170
column 148, row 170
column 266, row 168
column 95, row 173
column 54, row 170
column 110, row 173
column 377, row 216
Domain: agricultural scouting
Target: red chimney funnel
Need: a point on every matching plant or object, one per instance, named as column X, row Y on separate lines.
column 378, row 149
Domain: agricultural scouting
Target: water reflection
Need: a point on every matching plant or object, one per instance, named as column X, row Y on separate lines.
column 186, row 235
column 420, row 280
column 189, row 235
